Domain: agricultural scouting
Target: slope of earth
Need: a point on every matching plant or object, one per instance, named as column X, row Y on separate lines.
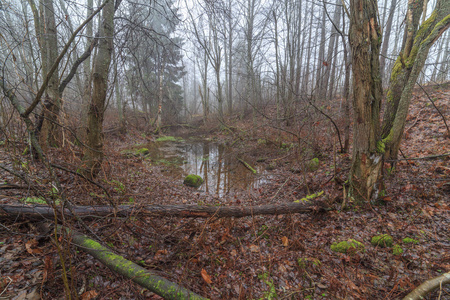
column 259, row 257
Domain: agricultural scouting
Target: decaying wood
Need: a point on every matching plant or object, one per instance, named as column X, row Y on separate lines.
column 192, row 211
column 428, row 286
column 124, row 267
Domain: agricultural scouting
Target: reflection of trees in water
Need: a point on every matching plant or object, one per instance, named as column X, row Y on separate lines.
column 205, row 165
column 217, row 164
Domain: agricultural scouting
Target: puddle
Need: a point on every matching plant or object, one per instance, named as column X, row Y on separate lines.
column 216, row 164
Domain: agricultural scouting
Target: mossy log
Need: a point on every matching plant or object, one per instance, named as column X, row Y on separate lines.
column 247, row 166
column 124, row 267
column 428, row 286
column 193, row 211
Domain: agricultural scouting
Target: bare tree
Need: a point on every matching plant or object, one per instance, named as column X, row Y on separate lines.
column 93, row 155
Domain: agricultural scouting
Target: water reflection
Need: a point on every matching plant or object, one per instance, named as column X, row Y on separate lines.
column 221, row 171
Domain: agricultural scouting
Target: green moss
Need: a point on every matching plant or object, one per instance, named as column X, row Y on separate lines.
column 38, row 200
column 169, row 139
column 381, row 147
column 34, row 200
column 410, row 241
column 193, row 180
column 345, row 246
column 309, row 197
column 382, row 240
column 397, row 250
column 313, row 164
column 143, row 151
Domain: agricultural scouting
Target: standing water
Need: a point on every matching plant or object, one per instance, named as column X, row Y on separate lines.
column 219, row 167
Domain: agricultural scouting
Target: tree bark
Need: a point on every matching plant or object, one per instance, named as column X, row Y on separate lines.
column 387, row 36
column 87, row 89
column 407, row 69
column 157, row 284
column 48, row 127
column 93, row 155
column 184, row 211
column 365, row 41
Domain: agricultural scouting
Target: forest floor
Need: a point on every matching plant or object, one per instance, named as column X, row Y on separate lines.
column 259, row 257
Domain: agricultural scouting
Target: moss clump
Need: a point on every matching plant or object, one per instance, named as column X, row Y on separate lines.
column 382, row 240
column 381, row 147
column 193, row 180
column 397, row 250
column 313, row 164
column 410, row 241
column 169, row 139
column 143, row 151
column 345, row 246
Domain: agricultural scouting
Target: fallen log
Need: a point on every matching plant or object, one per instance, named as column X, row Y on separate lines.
column 187, row 211
column 157, row 284
column 428, row 286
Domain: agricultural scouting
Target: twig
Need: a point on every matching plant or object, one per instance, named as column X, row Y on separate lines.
column 332, row 121
column 415, row 122
column 443, row 118
column 420, row 158
column 82, row 176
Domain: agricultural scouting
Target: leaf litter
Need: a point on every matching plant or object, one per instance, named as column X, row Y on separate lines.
column 286, row 256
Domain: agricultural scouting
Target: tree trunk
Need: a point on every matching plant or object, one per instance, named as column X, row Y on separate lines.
column 93, row 155
column 87, row 90
column 183, row 211
column 327, row 89
column 444, row 68
column 320, row 60
column 48, row 122
column 346, row 95
column 407, row 69
column 365, row 41
column 305, row 84
column 387, row 35
column 230, row 61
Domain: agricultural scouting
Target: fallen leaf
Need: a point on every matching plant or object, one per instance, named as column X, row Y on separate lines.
column 160, row 254
column 206, row 276
column 285, row 241
column 254, row 248
column 89, row 295
column 30, row 245
column 233, row 252
column 321, row 286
